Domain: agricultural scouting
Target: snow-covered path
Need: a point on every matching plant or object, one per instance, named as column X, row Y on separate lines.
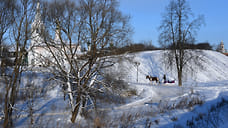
column 151, row 96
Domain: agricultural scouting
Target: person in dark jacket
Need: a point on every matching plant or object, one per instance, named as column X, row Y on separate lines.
column 164, row 77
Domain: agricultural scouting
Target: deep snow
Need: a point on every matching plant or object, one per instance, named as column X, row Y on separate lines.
column 156, row 105
column 209, row 84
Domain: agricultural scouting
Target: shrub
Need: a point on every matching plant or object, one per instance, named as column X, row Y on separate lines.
column 210, row 119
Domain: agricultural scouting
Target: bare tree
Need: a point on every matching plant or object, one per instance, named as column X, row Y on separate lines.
column 91, row 24
column 6, row 18
column 19, row 34
column 178, row 28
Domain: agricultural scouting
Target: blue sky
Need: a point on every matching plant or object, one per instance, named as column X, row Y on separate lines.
column 146, row 16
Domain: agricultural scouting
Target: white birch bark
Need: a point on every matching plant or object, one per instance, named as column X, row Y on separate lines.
column 69, row 91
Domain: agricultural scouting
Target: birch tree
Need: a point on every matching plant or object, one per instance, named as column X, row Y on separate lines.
column 93, row 25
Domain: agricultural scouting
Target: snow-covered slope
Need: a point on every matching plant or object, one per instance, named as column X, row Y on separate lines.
column 215, row 67
column 153, row 106
column 209, row 84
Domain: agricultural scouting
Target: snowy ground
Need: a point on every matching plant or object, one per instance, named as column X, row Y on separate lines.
column 159, row 104
column 201, row 102
column 159, row 100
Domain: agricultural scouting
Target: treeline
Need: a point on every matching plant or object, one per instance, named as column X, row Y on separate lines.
column 148, row 47
column 132, row 48
column 203, row 46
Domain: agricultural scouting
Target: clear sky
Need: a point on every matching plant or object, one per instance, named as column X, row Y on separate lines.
column 146, row 16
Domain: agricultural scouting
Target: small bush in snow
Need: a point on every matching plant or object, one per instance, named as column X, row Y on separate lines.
column 185, row 101
column 116, row 90
column 148, row 123
column 174, row 118
column 188, row 101
column 98, row 123
column 127, row 120
column 116, row 85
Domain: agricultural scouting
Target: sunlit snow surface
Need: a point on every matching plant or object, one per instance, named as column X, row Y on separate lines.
column 153, row 102
column 210, row 84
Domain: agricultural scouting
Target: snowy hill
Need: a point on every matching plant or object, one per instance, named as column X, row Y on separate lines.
column 208, row 85
column 201, row 102
column 215, row 67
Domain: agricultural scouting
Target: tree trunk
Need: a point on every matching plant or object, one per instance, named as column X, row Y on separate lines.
column 83, row 111
column 76, row 109
column 179, row 78
column 6, row 112
column 69, row 90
